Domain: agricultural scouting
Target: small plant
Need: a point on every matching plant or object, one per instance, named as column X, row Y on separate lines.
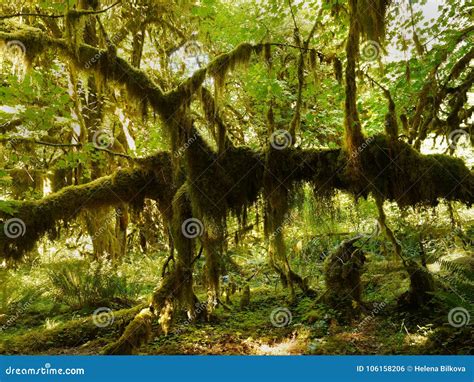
column 79, row 284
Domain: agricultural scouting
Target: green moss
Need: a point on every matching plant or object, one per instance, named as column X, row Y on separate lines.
column 397, row 172
column 137, row 333
column 226, row 62
column 69, row 334
column 342, row 270
column 40, row 217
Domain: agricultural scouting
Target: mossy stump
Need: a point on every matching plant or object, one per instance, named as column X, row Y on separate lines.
column 342, row 270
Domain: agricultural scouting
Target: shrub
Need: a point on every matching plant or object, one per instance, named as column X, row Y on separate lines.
column 80, row 283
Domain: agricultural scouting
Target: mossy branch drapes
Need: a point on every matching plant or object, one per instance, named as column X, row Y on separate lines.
column 40, row 216
column 392, row 170
column 114, row 68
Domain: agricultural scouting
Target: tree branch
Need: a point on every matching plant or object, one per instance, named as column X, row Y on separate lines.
column 57, row 16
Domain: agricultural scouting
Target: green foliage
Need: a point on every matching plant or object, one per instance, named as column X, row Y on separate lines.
column 54, row 103
column 79, row 284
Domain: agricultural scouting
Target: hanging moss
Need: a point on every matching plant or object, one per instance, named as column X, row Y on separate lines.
column 371, row 17
column 324, row 169
column 312, row 59
column 213, row 116
column 185, row 247
column 213, row 241
column 74, row 29
column 224, row 63
column 267, row 55
column 25, row 39
column 399, row 173
column 352, row 125
column 233, row 180
column 61, row 178
column 221, row 182
column 40, row 217
column 24, row 181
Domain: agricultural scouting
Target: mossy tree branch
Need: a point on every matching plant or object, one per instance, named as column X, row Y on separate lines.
column 409, row 178
column 38, row 217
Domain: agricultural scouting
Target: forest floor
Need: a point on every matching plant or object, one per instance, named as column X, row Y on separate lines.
column 307, row 327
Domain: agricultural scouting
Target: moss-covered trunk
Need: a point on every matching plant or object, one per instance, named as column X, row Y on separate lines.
column 354, row 137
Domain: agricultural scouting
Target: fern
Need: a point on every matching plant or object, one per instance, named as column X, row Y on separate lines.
column 80, row 284
column 458, row 279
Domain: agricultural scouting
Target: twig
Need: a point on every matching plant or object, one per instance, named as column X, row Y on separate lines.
column 198, row 256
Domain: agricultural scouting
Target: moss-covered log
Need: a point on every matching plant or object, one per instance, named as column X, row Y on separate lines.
column 27, row 221
column 70, row 334
column 397, row 172
column 392, row 170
